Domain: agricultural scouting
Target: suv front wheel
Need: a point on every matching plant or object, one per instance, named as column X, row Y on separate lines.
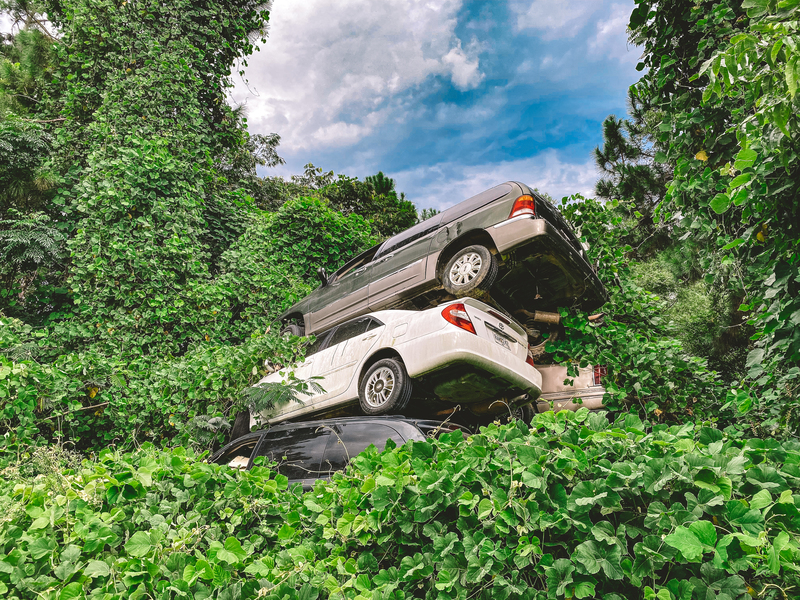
column 471, row 268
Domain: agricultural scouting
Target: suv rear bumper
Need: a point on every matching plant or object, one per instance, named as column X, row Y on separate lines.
column 536, row 239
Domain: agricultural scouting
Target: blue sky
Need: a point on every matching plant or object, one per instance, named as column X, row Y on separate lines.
column 448, row 97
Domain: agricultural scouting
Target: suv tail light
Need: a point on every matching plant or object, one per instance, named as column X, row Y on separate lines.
column 524, row 205
column 457, row 315
column 599, row 373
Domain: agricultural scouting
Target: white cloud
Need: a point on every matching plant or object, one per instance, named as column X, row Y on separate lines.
column 611, row 40
column 331, row 72
column 445, row 184
column 465, row 72
column 556, row 18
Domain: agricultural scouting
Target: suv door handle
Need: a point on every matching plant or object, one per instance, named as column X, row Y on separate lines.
column 359, row 271
column 384, row 259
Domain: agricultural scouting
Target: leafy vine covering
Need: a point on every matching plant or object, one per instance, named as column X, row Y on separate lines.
column 572, row 507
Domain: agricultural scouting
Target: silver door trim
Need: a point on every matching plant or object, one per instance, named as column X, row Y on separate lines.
column 416, row 262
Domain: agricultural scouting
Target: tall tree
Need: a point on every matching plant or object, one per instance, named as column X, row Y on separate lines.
column 634, row 171
column 725, row 75
column 146, row 116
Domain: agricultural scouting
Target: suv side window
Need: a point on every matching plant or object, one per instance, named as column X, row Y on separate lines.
column 352, row 440
column 297, row 450
column 470, row 204
column 409, row 235
column 237, row 456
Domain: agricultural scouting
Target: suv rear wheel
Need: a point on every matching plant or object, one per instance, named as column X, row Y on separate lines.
column 470, row 268
column 385, row 388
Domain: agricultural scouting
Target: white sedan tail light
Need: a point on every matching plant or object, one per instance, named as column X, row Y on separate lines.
column 457, row 315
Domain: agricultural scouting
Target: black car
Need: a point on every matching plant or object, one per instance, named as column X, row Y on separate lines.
column 311, row 450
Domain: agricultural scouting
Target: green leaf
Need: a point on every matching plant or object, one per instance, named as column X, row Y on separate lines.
column 687, row 543
column 232, row 552
column 592, row 556
column 733, row 244
column 485, row 508
column 740, row 180
column 138, row 545
column 71, row 591
column 791, row 76
column 705, row 532
column 762, row 499
column 41, row 547
column 96, row 568
column 745, row 159
column 720, row 203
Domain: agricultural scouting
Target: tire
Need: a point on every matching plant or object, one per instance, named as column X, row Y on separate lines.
column 293, row 329
column 524, row 413
column 470, row 268
column 372, row 392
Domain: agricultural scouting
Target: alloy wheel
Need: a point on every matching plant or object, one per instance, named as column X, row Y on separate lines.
column 379, row 387
column 466, row 268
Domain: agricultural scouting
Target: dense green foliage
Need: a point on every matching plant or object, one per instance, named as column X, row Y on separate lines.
column 144, row 257
column 571, row 508
column 141, row 271
column 723, row 78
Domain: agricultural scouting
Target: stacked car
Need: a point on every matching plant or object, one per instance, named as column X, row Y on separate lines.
column 448, row 319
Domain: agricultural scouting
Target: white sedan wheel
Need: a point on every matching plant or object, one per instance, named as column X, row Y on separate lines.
column 386, row 388
column 379, row 387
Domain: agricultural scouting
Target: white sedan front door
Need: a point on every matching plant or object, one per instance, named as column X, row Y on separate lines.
column 337, row 364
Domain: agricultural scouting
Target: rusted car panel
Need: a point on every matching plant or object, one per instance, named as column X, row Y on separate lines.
column 541, row 263
column 558, row 395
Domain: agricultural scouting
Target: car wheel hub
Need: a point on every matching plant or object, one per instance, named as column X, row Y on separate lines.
column 379, row 387
column 466, row 268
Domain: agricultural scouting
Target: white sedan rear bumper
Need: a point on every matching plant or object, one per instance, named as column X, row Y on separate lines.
column 452, row 345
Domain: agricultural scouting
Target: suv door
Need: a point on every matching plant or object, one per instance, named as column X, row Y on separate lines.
column 347, row 293
column 297, row 450
column 348, row 345
column 399, row 266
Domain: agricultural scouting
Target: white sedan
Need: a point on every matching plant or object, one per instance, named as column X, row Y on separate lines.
column 461, row 352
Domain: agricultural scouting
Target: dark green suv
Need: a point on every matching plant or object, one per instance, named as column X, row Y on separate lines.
column 507, row 243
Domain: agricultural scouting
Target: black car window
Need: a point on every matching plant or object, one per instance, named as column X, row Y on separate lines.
column 352, row 440
column 467, row 206
column 349, row 330
column 297, row 450
column 319, row 343
column 409, row 235
column 238, row 453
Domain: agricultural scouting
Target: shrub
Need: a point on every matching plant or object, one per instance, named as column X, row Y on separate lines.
column 573, row 507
